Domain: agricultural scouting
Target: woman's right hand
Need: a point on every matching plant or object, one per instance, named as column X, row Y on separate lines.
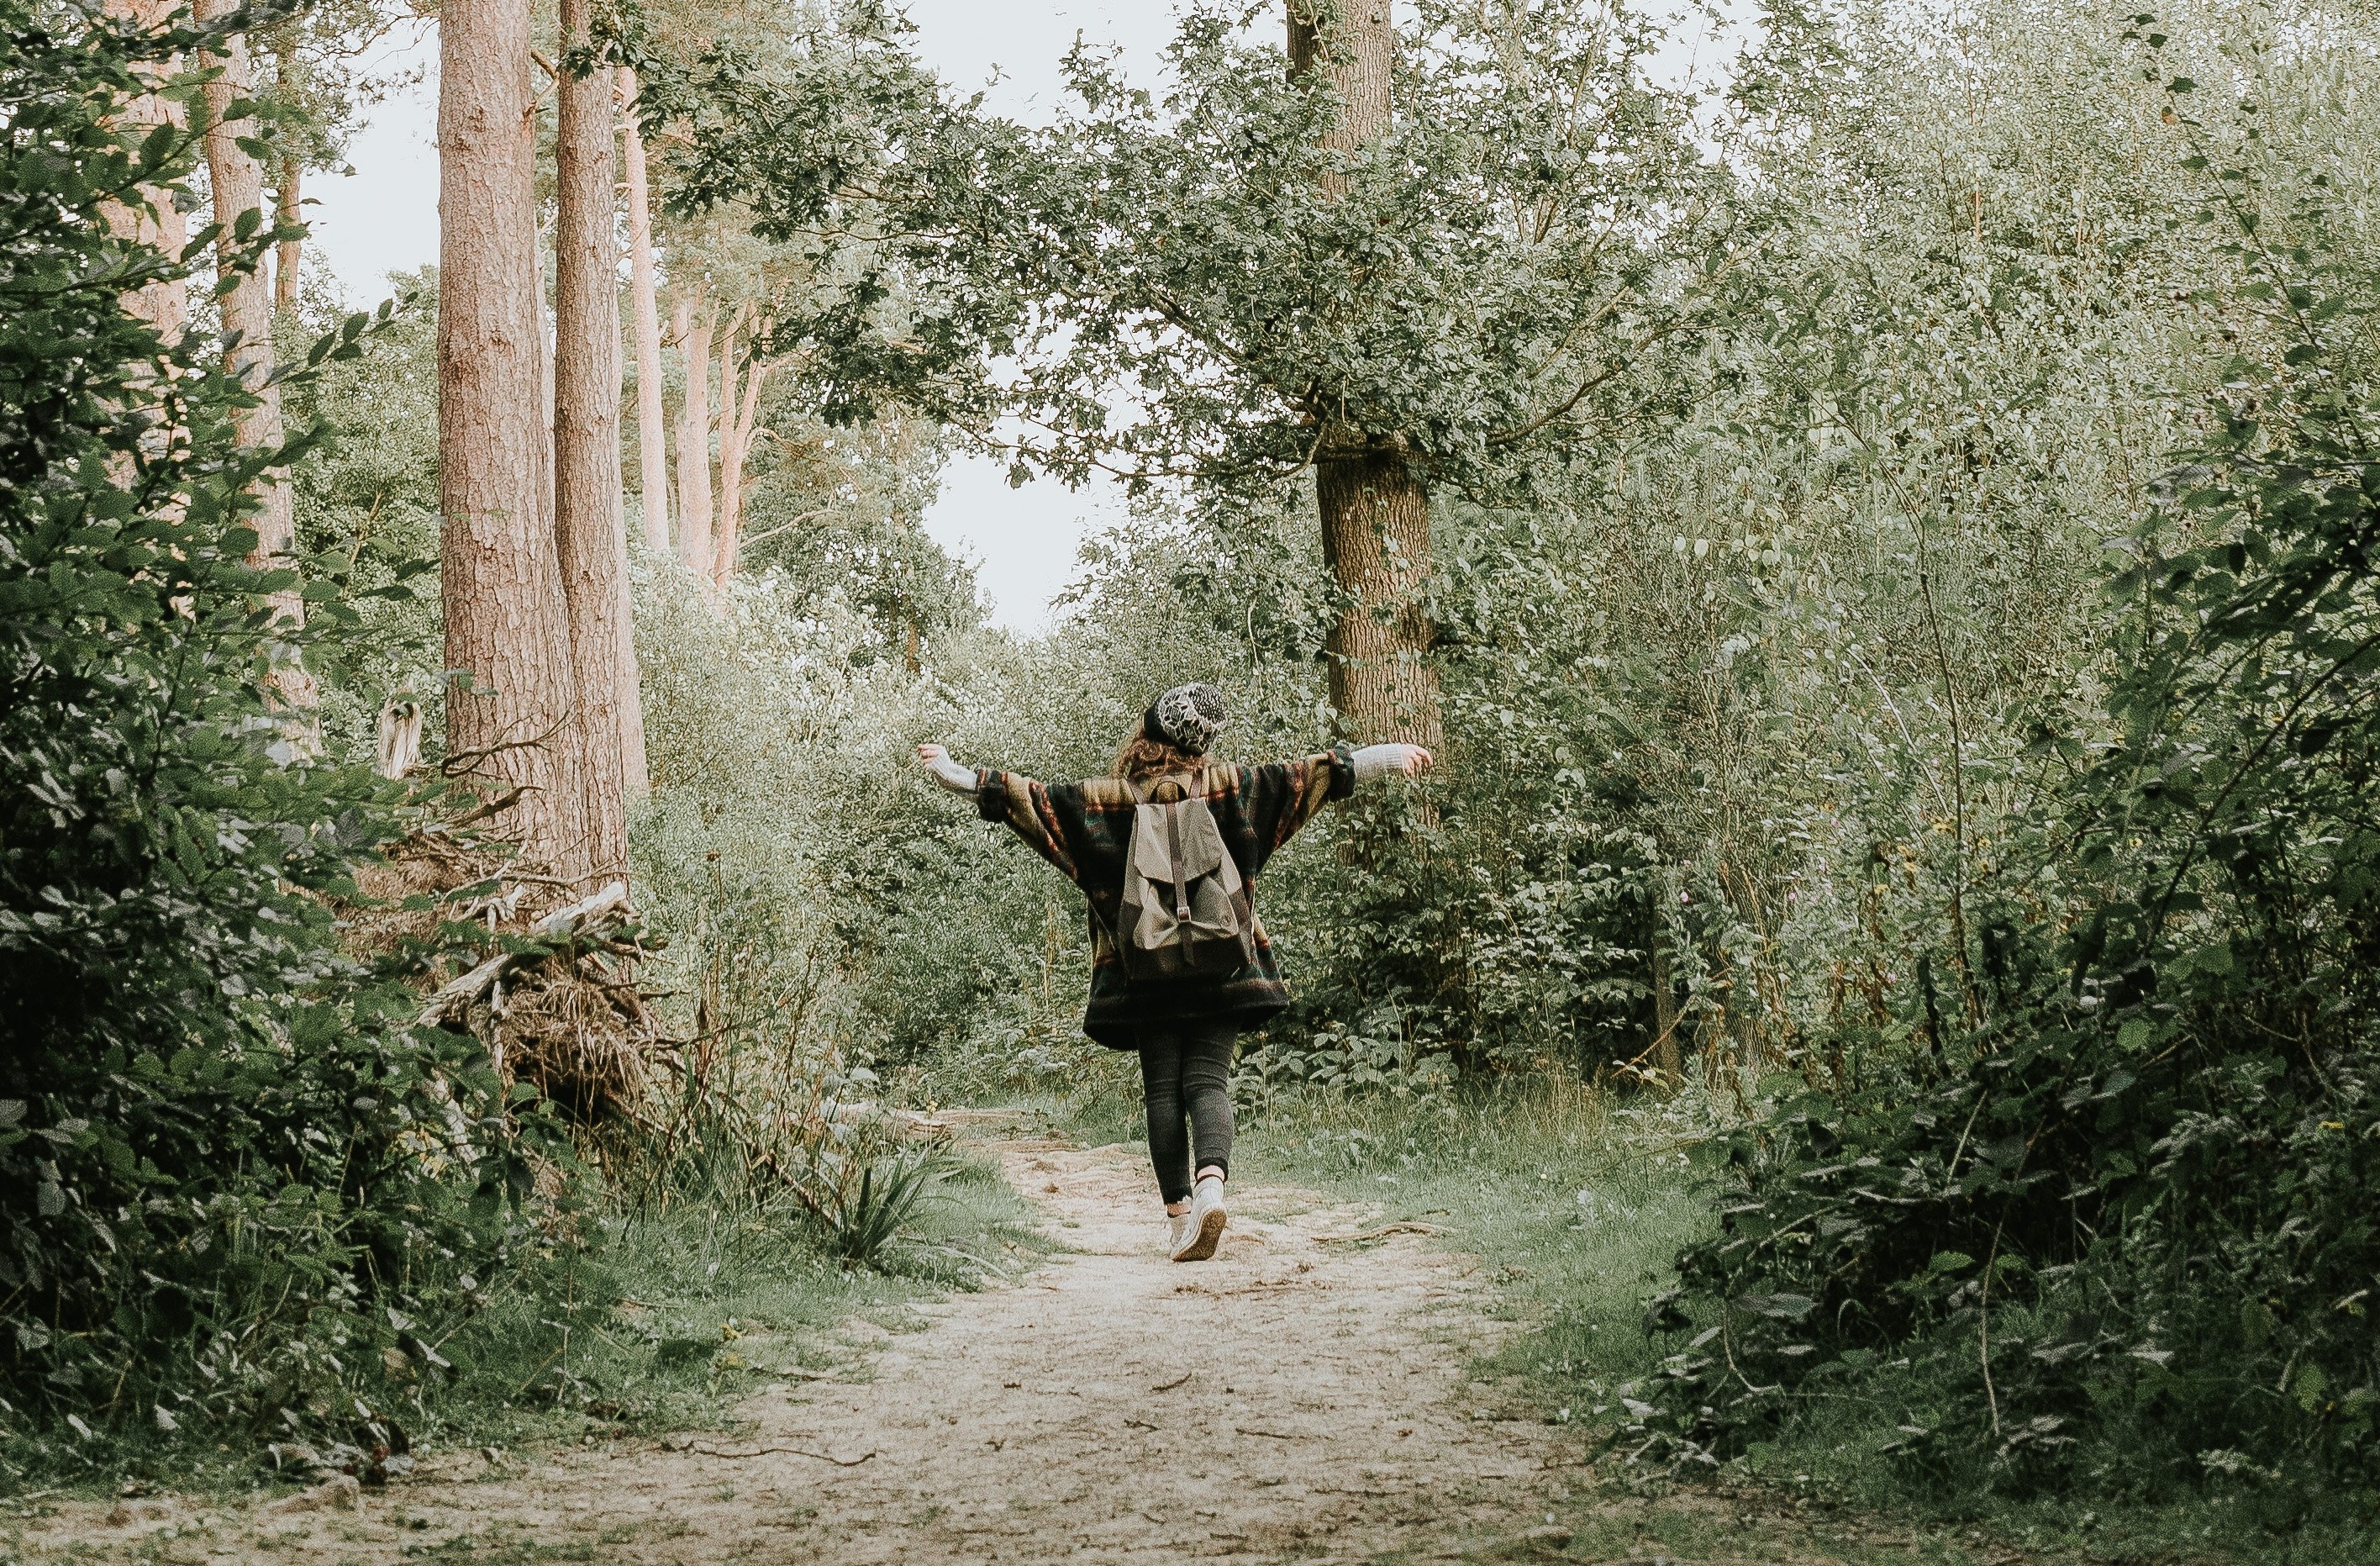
column 937, row 760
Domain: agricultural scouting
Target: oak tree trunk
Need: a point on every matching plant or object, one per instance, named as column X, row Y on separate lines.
column 509, row 709
column 236, row 181
column 693, row 338
column 1373, row 505
column 1376, row 543
column 589, row 521
column 652, row 429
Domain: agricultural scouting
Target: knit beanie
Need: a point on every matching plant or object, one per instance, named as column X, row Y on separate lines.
column 1187, row 718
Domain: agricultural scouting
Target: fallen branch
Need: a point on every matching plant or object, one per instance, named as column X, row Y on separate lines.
column 480, row 812
column 458, row 994
column 1380, row 1234
column 790, row 1452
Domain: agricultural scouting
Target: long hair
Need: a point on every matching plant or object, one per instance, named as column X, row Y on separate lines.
column 1143, row 757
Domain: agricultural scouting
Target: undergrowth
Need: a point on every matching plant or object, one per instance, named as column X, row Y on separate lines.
column 1576, row 1205
column 655, row 1319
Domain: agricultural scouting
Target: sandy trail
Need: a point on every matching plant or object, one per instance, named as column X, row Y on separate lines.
column 1300, row 1397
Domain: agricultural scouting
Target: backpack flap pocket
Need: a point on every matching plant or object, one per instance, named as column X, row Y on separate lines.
column 1185, row 910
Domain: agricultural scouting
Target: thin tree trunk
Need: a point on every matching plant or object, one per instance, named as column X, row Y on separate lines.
column 589, row 519
column 164, row 306
column 1375, row 507
column 288, row 203
column 652, row 429
column 694, row 439
column 288, row 195
column 1668, row 1060
column 509, row 716
column 737, row 418
column 236, row 181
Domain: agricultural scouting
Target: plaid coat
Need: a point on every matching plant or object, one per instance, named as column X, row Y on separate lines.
column 1085, row 830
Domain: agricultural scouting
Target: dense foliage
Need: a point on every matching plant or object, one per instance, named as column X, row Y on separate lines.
column 2096, row 1202
column 1903, row 601
column 2019, row 934
column 228, row 1177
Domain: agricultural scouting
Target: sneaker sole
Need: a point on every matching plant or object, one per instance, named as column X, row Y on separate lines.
column 1211, row 1234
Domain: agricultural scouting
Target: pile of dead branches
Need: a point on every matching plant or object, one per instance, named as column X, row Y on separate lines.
column 546, row 977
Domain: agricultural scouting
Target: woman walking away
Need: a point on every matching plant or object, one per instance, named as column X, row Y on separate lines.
column 1167, row 848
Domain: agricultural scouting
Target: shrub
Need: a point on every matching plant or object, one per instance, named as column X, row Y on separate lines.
column 230, row 1164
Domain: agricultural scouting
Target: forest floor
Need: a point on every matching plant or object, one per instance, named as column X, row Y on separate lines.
column 1309, row 1395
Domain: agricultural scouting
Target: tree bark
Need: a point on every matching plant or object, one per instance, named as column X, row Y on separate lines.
column 589, row 521
column 1667, row 1058
column 693, row 338
column 736, row 420
column 1376, row 543
column 652, row 428
column 509, row 716
column 164, row 306
column 1350, row 47
column 236, row 181
column 1373, row 505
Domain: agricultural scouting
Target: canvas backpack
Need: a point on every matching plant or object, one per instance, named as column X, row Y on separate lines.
column 1186, row 912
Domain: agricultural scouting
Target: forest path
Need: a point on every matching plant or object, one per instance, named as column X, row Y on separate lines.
column 1301, row 1396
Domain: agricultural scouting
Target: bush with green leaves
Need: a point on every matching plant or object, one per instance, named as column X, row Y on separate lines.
column 2114, row 1223
column 229, row 1161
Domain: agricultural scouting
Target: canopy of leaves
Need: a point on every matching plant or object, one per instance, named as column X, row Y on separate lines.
column 1192, row 285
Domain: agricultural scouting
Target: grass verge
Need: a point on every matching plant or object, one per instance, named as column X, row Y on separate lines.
column 653, row 1320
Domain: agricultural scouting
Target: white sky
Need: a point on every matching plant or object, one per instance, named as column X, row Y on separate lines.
column 385, row 218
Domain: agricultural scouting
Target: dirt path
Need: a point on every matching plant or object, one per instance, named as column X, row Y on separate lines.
column 1301, row 1396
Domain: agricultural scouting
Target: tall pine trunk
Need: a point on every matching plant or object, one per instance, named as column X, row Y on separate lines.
column 236, row 181
column 164, row 306
column 589, row 522
column 510, row 713
column 693, row 332
column 1373, row 505
column 652, row 428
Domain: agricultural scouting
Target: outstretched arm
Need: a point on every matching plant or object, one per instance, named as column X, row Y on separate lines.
column 1378, row 760
column 957, row 779
column 1016, row 801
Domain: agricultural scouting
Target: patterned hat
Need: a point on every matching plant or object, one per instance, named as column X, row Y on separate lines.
column 1187, row 718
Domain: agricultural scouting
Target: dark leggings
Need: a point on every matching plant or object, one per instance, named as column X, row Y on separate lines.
column 1185, row 1070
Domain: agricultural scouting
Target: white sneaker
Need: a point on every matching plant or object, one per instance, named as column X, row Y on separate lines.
column 1202, row 1226
column 1176, row 1225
